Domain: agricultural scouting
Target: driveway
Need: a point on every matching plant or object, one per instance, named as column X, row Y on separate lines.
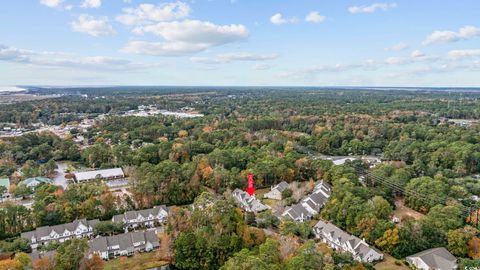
column 60, row 179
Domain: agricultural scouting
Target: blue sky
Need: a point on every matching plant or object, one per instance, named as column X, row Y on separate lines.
column 240, row 42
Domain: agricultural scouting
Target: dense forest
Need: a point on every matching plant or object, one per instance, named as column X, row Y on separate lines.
column 276, row 134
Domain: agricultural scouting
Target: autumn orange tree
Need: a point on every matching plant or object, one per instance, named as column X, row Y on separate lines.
column 474, row 248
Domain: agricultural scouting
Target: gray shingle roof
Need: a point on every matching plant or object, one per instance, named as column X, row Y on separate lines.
column 319, row 199
column 437, row 258
column 138, row 237
column 28, row 235
column 151, row 237
column 131, row 215
column 60, row 229
column 281, row 186
column 249, row 203
column 324, row 186
column 360, row 248
column 145, row 212
column 98, row 244
column 125, row 241
column 296, row 211
column 312, row 205
column 42, row 231
column 362, row 251
column 113, row 241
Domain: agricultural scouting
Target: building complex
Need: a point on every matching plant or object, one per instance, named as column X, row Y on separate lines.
column 342, row 241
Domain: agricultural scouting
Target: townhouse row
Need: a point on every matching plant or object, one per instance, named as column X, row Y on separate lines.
column 81, row 228
column 77, row 229
column 146, row 217
column 247, row 202
column 125, row 244
column 311, row 205
column 342, row 241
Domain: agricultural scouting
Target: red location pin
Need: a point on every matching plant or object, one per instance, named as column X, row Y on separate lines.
column 250, row 188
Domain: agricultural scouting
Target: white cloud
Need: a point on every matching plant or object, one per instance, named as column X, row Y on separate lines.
column 417, row 54
column 162, row 48
column 464, row 33
column 231, row 57
column 51, row 3
column 59, row 59
column 91, row 3
column 315, row 17
column 398, row 47
column 371, row 8
column 261, row 67
column 459, row 54
column 185, row 37
column 94, row 27
column 396, row 60
column 147, row 13
column 415, row 57
column 278, row 19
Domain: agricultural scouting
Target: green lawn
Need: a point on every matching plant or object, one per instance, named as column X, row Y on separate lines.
column 139, row 261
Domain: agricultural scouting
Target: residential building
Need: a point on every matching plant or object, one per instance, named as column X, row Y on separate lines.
column 311, row 205
column 342, row 241
column 107, row 174
column 433, row 259
column 297, row 213
column 76, row 229
column 35, row 181
column 323, row 188
column 124, row 244
column 146, row 217
column 275, row 192
column 84, row 228
column 247, row 202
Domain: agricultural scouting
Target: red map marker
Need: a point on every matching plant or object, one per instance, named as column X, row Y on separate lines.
column 250, row 188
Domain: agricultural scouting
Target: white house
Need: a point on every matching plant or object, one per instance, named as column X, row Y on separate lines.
column 145, row 217
column 297, row 213
column 275, row 192
column 60, row 233
column 84, row 228
column 125, row 244
column 342, row 241
column 433, row 259
column 247, row 202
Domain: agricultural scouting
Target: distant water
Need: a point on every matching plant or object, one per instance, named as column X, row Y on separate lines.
column 11, row 89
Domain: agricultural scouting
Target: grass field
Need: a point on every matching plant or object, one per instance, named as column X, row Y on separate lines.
column 403, row 212
column 140, row 261
column 389, row 264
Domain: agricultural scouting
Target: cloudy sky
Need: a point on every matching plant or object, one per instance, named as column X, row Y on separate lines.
column 240, row 42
